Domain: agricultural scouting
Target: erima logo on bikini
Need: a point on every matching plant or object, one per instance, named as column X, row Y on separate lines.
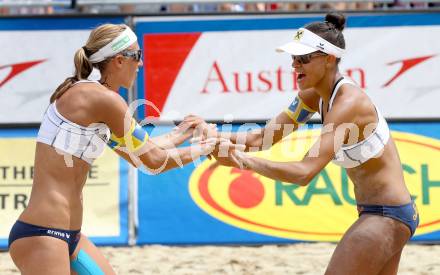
column 58, row 234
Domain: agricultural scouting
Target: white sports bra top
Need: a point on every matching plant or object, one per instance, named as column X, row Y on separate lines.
column 354, row 155
column 86, row 143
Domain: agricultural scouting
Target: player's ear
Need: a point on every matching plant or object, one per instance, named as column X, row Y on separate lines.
column 330, row 61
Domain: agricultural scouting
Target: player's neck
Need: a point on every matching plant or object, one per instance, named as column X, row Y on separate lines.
column 109, row 82
column 326, row 85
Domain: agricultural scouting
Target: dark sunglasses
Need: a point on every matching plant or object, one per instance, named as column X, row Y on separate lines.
column 306, row 58
column 136, row 55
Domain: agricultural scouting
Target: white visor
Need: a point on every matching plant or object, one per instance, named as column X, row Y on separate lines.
column 120, row 43
column 306, row 42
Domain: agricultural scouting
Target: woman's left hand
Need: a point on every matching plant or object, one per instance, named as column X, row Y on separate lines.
column 234, row 157
column 240, row 158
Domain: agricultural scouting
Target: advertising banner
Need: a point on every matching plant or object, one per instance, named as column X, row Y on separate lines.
column 37, row 56
column 218, row 204
column 229, row 66
column 105, row 218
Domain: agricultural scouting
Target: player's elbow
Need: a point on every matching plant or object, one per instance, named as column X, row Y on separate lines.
column 304, row 177
column 303, row 180
column 155, row 161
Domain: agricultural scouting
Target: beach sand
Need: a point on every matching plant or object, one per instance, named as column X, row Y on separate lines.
column 303, row 258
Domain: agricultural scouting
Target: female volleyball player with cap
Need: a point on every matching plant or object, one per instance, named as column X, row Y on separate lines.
column 84, row 116
column 355, row 136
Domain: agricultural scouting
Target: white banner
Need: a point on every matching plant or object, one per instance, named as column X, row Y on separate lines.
column 238, row 73
column 32, row 65
column 233, row 73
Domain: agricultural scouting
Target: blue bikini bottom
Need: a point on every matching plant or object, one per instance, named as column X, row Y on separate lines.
column 406, row 213
column 23, row 230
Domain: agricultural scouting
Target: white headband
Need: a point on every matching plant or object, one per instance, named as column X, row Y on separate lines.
column 306, row 42
column 120, row 43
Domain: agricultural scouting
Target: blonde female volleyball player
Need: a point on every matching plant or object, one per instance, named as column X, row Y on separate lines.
column 84, row 116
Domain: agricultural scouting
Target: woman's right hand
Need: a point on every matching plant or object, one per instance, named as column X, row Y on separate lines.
column 223, row 150
column 202, row 129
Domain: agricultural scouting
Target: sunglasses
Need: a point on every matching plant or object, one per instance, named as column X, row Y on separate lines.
column 136, row 55
column 306, row 58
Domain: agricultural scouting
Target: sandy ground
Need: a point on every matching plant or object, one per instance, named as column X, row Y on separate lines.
column 242, row 260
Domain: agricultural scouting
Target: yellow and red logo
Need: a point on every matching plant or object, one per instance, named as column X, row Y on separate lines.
column 321, row 211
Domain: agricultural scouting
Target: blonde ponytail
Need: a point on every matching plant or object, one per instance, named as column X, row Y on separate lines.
column 83, row 68
column 98, row 38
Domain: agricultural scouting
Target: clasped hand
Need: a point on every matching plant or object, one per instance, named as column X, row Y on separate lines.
column 222, row 149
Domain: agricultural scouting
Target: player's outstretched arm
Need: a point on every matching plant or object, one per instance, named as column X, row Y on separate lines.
column 298, row 112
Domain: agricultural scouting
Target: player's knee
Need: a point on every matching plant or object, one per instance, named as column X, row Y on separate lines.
column 83, row 264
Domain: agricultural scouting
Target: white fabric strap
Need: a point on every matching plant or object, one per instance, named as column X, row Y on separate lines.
column 120, row 43
column 310, row 39
column 336, row 89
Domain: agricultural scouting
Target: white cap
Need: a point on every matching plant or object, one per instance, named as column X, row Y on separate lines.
column 120, row 43
column 306, row 42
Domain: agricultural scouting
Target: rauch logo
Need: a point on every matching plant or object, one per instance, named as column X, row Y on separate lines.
column 321, row 211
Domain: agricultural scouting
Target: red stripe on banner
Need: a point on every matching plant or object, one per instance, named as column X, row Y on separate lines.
column 406, row 65
column 165, row 55
column 16, row 69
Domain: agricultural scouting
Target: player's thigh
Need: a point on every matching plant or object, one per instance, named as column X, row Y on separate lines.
column 368, row 245
column 40, row 255
column 392, row 266
column 87, row 257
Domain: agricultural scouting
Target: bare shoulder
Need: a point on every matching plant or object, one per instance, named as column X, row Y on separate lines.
column 349, row 104
column 107, row 98
column 84, row 93
column 91, row 86
column 310, row 97
column 101, row 102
